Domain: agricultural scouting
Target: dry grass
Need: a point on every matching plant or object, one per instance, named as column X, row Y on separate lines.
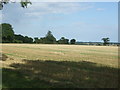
column 45, row 66
column 106, row 55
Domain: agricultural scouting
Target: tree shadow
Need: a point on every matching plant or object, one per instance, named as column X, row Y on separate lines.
column 60, row 74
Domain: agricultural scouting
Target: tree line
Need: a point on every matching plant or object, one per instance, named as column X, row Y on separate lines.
column 8, row 36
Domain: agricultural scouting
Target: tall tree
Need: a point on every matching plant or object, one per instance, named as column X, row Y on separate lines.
column 50, row 39
column 36, row 40
column 7, row 33
column 106, row 40
column 72, row 41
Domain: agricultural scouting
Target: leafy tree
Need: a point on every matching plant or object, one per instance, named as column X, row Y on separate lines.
column 23, row 3
column 28, row 39
column 18, row 38
column 22, row 39
column 106, row 41
column 42, row 40
column 7, row 33
column 63, row 41
column 36, row 40
column 72, row 41
column 50, row 39
column 66, row 41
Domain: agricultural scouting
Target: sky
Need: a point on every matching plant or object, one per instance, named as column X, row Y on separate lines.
column 84, row 21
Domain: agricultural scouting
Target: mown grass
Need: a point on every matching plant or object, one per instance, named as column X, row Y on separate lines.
column 75, row 53
column 61, row 66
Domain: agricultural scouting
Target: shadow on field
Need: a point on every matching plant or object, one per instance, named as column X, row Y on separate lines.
column 61, row 74
column 3, row 57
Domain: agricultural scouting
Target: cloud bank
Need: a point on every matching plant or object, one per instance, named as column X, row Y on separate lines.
column 37, row 9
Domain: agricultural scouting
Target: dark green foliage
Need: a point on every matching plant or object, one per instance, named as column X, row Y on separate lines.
column 63, row 41
column 50, row 39
column 18, row 38
column 2, row 2
column 28, row 39
column 18, row 41
column 24, row 3
column 36, row 40
column 22, row 39
column 72, row 41
column 7, row 33
column 8, row 36
column 43, row 40
column 106, row 41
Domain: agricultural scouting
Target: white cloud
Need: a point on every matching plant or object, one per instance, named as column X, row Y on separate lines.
column 100, row 9
column 34, row 14
column 63, row 8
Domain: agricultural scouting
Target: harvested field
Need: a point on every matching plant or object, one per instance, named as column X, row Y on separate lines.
column 42, row 65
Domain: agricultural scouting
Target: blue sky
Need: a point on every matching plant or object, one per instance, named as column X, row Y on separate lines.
column 82, row 21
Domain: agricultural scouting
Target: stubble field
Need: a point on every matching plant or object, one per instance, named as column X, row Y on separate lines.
column 43, row 66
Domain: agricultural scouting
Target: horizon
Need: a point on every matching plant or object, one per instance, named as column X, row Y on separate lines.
column 85, row 22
